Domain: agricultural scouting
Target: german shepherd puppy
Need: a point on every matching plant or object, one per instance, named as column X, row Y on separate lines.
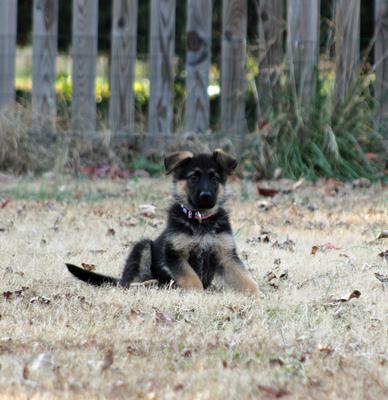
column 197, row 242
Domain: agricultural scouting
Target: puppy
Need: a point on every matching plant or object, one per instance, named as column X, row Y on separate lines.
column 197, row 242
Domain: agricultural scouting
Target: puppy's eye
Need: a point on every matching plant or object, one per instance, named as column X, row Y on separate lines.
column 194, row 178
column 213, row 178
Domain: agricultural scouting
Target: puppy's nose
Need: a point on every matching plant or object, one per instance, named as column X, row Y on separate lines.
column 205, row 196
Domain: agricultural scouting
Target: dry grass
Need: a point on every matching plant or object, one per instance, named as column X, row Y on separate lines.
column 293, row 341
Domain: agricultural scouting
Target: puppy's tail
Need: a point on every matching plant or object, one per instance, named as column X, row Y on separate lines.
column 91, row 277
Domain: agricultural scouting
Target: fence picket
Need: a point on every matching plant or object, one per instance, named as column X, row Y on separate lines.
column 45, row 35
column 199, row 21
column 272, row 25
column 84, row 42
column 7, row 52
column 381, row 59
column 347, row 46
column 303, row 18
column 162, row 46
column 123, row 58
column 233, row 54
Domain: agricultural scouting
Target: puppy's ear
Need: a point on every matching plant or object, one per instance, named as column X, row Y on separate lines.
column 174, row 160
column 227, row 162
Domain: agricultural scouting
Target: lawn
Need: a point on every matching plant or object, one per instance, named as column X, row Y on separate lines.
column 319, row 328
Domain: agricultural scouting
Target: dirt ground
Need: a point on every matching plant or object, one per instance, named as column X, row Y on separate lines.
column 319, row 328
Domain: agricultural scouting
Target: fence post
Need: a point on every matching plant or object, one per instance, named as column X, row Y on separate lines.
column 43, row 63
column 198, row 31
column 272, row 26
column 347, row 46
column 162, row 46
column 303, row 18
column 123, row 58
column 84, row 42
column 381, row 60
column 7, row 52
column 233, row 54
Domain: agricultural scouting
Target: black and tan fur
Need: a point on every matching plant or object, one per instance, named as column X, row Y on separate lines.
column 190, row 251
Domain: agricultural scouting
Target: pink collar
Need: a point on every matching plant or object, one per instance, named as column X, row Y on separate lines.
column 199, row 215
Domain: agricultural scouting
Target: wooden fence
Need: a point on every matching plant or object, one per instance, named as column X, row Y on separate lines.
column 300, row 19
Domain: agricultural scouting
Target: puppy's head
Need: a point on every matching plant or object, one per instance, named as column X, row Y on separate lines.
column 200, row 179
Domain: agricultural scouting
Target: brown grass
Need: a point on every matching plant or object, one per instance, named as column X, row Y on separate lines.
column 63, row 339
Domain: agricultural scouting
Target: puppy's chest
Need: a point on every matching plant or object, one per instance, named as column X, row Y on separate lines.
column 203, row 242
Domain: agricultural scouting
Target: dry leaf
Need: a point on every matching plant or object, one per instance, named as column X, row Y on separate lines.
column 325, row 349
column 4, row 202
column 298, row 184
column 383, row 234
column 187, row 353
column 384, row 254
column 149, row 283
column 355, row 294
column 164, row 318
column 270, row 276
column 273, row 362
column 88, row 267
column 314, row 249
column 329, row 246
column 273, row 392
column 324, row 247
column 361, row 183
column 286, row 245
column 267, row 192
column 284, row 275
column 265, row 205
column 148, row 210
column 108, row 360
column 382, row 278
column 40, row 299
column 133, row 221
column 8, row 295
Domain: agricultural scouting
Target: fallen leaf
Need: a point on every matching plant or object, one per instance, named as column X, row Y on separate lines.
column 10, row 295
column 273, row 362
column 141, row 173
column 274, row 392
column 133, row 221
column 298, row 184
column 384, row 254
column 164, row 318
column 259, row 239
column 383, row 234
column 355, row 294
column 108, row 360
column 148, row 210
column 382, row 278
column 270, row 276
column 361, row 183
column 314, row 249
column 284, row 275
column 267, row 192
column 187, row 353
column 286, row 245
column 323, row 247
column 88, row 267
column 149, row 283
column 329, row 246
column 265, row 205
column 4, row 202
column 26, row 372
column 325, row 349
column 40, row 299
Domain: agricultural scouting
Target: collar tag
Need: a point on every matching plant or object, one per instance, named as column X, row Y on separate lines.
column 195, row 214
